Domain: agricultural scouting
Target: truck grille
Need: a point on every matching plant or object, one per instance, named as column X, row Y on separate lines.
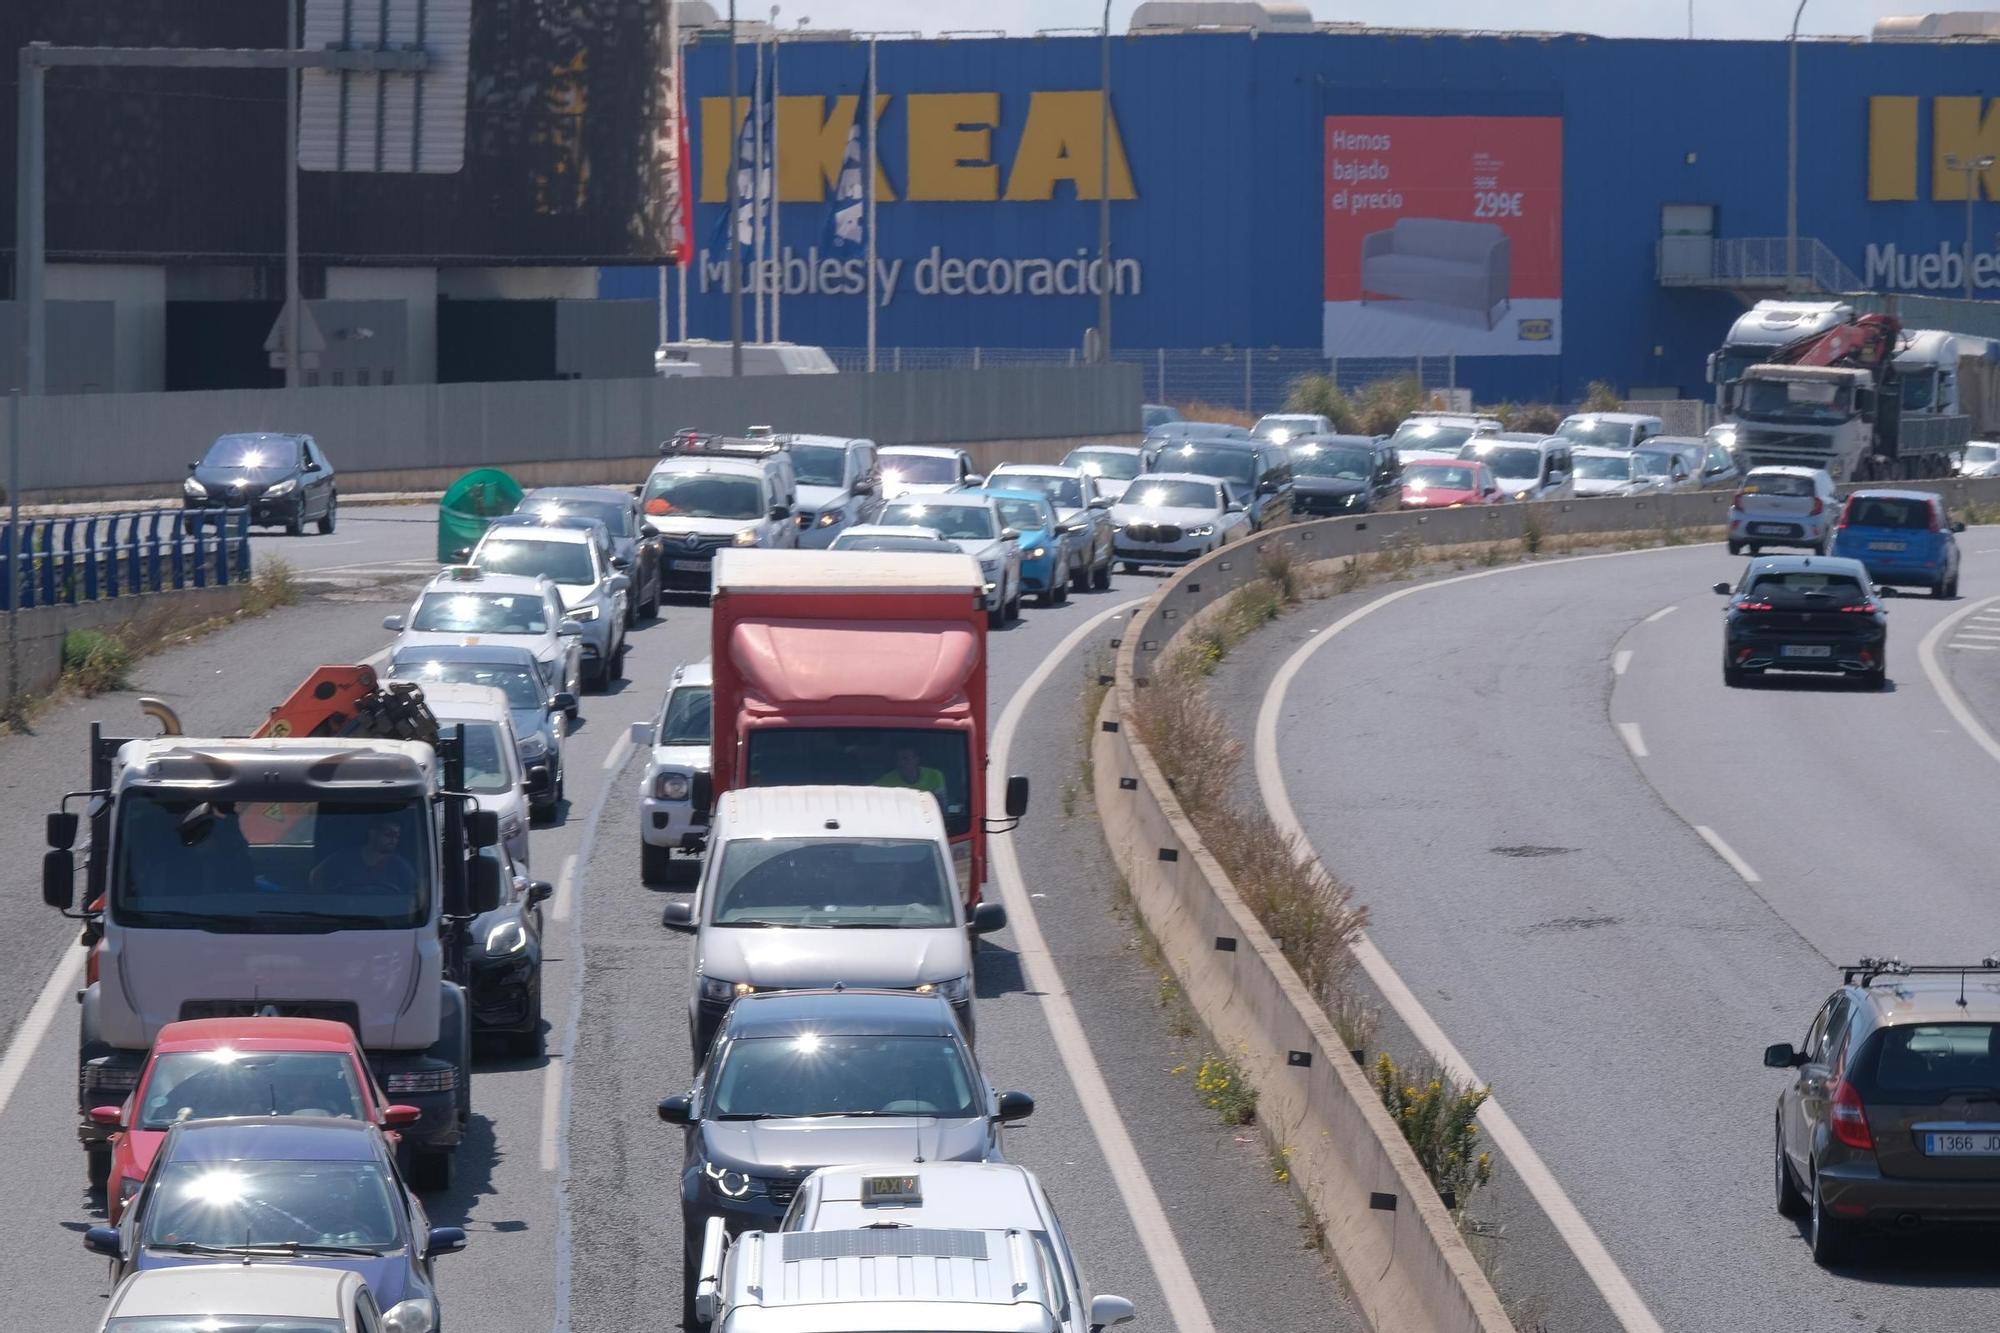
column 337, row 1011
column 782, row 1190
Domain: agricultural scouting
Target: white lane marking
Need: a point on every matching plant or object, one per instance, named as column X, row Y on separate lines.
column 1629, row 733
column 1170, row 1266
column 1662, row 613
column 565, row 889
column 1621, row 661
column 1596, row 1261
column 1728, row 853
column 60, row 986
column 552, row 1117
column 1977, row 647
column 1946, row 692
column 619, row 754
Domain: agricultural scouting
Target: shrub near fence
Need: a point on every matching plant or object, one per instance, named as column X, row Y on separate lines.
column 97, row 557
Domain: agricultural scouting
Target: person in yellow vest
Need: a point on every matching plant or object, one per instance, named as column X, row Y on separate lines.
column 910, row 771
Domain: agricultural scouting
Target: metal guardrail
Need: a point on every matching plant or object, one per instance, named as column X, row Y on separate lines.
column 1752, row 262
column 98, row 557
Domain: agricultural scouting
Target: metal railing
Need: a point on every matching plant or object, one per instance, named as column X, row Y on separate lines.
column 1751, row 262
column 98, row 557
column 1253, row 380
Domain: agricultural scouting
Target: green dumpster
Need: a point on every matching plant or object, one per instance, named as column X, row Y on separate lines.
column 474, row 501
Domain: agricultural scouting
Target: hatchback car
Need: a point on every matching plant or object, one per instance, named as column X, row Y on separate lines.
column 493, row 771
column 538, row 713
column 469, row 605
column 1079, row 503
column 1980, row 458
column 677, row 746
column 1669, row 469
column 1905, row 538
column 925, row 469
column 1113, row 465
column 276, row 1188
column 1448, row 483
column 1889, row 1118
column 1600, row 473
column 840, row 485
column 892, row 537
column 798, row 1080
column 1804, row 613
column 970, row 521
column 503, row 961
column 1783, row 506
column 1440, row 433
column 283, row 480
column 217, row 1068
column 1171, row 518
column 243, row 1298
column 631, row 540
column 1527, row 466
column 1259, row 474
column 582, row 565
column 1610, row 430
column 1044, row 540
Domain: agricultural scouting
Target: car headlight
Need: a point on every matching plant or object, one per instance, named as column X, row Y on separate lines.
column 671, row 787
column 507, row 937
column 285, row 487
column 1522, row 494
column 583, row 612
column 194, row 488
column 829, row 518
column 1205, row 530
column 532, row 746
column 722, row 992
column 729, row 1182
column 1118, row 527
column 958, row 990
column 744, row 537
column 418, row 1316
column 1037, row 552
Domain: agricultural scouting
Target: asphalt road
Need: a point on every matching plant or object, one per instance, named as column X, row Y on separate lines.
column 1512, row 771
column 568, row 1181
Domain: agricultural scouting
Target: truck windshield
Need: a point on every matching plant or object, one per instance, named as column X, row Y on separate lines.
column 1795, row 400
column 816, row 883
column 932, row 761
column 270, row 868
column 1590, row 430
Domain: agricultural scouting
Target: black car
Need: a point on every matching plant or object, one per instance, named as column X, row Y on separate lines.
column 631, row 540
column 797, row 1080
column 1259, row 474
column 284, row 481
column 1343, row 474
column 504, row 962
column 1804, row 613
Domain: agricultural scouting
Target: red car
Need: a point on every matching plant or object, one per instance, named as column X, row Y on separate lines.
column 213, row 1068
column 1446, row 483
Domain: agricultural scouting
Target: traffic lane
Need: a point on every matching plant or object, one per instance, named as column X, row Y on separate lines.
column 367, row 538
column 1969, row 653
column 1863, row 812
column 1592, row 959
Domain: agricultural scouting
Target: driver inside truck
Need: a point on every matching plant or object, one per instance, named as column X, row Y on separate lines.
column 375, row 865
column 911, row 771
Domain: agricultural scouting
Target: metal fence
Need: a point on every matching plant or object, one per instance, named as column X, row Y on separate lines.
column 98, row 557
column 1253, row 380
column 1753, row 262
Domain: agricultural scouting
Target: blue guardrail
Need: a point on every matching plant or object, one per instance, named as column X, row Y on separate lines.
column 96, row 557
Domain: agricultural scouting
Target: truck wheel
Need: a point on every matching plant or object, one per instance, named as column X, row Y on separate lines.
column 98, row 1167
column 432, row 1172
column 531, row 1044
column 656, row 864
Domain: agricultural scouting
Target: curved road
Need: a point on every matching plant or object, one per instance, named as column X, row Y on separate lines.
column 1611, row 881
column 569, row 1183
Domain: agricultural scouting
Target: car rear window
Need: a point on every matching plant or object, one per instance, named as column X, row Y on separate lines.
column 1933, row 1059
column 1777, row 483
column 1886, row 511
column 1809, row 581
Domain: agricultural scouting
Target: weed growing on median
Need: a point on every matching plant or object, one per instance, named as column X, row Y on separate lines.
column 1531, row 534
column 94, row 662
column 1436, row 1114
column 1222, row 1085
column 273, row 585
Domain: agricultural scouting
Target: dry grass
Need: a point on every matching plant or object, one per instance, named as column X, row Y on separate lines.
column 1195, row 409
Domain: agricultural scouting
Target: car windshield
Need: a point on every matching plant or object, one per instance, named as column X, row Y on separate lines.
column 702, row 495
column 876, row 541
column 920, row 469
column 836, row 1074
column 1982, row 453
column 958, row 522
column 1104, row 463
column 564, row 562
column 1064, row 492
column 1439, row 477
column 1172, row 495
column 1430, row 435
column 276, row 1203
column 615, row 515
column 213, row 1085
column 877, row 883
column 1208, row 460
column 820, row 464
column 1887, row 511
column 520, row 684
column 1779, row 483
column 481, row 613
column 1653, row 463
column 219, row 1323
column 928, row 760
column 1811, row 582
column 1602, row 467
column 1025, row 515
column 1344, row 463
column 686, row 719
column 1283, row 428
column 1929, row 1061
column 486, row 769
column 270, row 867
column 252, row 453
column 1506, row 460
column 1590, row 430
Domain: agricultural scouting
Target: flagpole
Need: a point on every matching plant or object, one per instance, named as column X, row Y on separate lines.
column 735, row 240
column 757, row 193
column 868, row 111
column 674, row 77
column 777, row 250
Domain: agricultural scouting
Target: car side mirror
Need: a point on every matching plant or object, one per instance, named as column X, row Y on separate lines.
column 462, row 554
column 677, row 1110
column 563, row 702
column 1958, row 527
column 863, row 487
column 400, row 1116
column 678, row 917
column 59, row 878
column 642, row 733
column 1010, row 534
column 1015, row 1106
column 1721, row 589
column 1106, row 1311
column 444, row 1240
column 1782, row 1056
column 394, row 624
column 569, row 629
column 974, row 479
column 1017, row 796
column 540, row 891
column 484, row 889
column 108, row 1117
column 193, row 465
column 1100, row 503
column 102, row 1240
column 1232, row 508
column 482, row 828
column 311, row 466
column 781, row 511
column 988, row 917
column 60, row 828
column 620, row 562
column 619, row 583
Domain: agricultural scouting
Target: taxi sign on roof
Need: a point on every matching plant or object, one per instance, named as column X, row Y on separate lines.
column 891, row 1189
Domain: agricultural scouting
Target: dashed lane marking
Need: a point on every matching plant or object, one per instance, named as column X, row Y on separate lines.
column 1662, row 613
column 1629, row 733
column 1728, row 853
column 1622, row 660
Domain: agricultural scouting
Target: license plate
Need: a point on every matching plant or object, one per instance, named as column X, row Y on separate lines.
column 1888, row 546
column 1805, row 650
column 691, row 566
column 1772, row 529
column 1963, row 1143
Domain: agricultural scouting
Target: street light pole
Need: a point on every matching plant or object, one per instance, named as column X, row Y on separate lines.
column 1104, row 194
column 294, row 307
column 1792, row 159
column 735, row 241
column 1971, row 166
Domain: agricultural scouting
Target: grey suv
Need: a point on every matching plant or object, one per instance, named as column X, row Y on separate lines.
column 1890, row 1114
column 839, row 486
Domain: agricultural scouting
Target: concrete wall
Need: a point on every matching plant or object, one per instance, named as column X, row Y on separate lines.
column 81, row 446
column 138, row 293
column 417, row 289
column 148, row 617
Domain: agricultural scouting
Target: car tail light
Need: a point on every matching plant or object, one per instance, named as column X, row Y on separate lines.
column 1846, row 512
column 1753, row 606
column 1934, row 518
column 1819, row 507
column 1866, row 608
column 1847, row 1119
column 1736, row 500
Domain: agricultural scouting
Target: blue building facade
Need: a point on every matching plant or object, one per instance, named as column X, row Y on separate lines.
column 1555, row 164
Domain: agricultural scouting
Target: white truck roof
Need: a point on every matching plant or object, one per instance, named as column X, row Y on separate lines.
column 949, row 1195
column 828, row 813
column 752, row 569
column 1775, row 323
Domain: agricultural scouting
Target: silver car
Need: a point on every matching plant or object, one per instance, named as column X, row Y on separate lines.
column 1075, row 494
column 677, row 759
column 466, row 604
column 1602, row 473
column 580, row 562
column 1171, row 518
column 1528, row 466
column 925, row 469
column 493, row 771
column 972, row 523
column 1113, row 465
column 840, row 485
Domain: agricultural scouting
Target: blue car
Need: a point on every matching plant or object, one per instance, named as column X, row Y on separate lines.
column 1905, row 538
column 1045, row 542
column 284, row 1189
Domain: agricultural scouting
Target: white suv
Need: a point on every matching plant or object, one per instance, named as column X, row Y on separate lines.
column 677, row 749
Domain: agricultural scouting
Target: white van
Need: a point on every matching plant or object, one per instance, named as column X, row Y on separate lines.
column 711, row 359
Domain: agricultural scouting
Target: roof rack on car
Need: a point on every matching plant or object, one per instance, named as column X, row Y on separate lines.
column 686, row 443
column 1868, row 969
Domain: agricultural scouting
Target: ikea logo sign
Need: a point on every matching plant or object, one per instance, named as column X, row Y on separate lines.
column 1962, row 129
column 1536, row 330
column 947, row 149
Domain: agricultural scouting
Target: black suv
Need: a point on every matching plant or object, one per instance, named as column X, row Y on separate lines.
column 283, row 480
column 1343, row 474
column 1804, row 613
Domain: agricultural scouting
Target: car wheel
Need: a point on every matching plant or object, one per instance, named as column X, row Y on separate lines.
column 1832, row 1240
column 1941, row 589
column 616, row 670
column 295, row 526
column 1755, row 549
column 997, row 617
column 97, row 1167
column 1079, row 577
column 327, row 520
column 1130, row 567
column 652, row 607
column 1734, row 677
column 1791, row 1203
column 1735, row 547
column 531, row 1044
column 656, row 864
column 1102, row 579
